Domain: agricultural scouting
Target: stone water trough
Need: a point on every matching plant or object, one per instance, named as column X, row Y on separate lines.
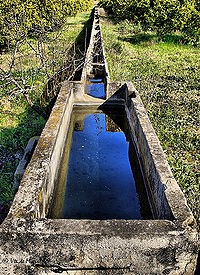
column 32, row 242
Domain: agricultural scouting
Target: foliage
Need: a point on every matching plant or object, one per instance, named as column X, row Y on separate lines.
column 18, row 18
column 131, row 9
column 190, row 19
column 36, row 65
column 164, row 16
column 13, row 140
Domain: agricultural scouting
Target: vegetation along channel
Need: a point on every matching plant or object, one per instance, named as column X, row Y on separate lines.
column 33, row 67
column 153, row 43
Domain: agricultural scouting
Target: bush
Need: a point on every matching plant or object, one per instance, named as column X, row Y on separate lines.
column 131, row 9
column 164, row 16
column 190, row 23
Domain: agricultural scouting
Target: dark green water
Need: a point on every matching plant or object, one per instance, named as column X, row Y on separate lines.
column 100, row 177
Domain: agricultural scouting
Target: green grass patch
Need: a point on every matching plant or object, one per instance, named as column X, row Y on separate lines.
column 167, row 75
column 18, row 122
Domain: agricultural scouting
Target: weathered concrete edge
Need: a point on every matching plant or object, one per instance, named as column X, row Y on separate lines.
column 141, row 247
column 35, row 198
column 169, row 200
column 155, row 165
column 103, row 49
column 42, row 168
column 88, row 58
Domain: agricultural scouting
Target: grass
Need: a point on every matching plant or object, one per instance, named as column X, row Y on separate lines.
column 167, row 75
column 18, row 122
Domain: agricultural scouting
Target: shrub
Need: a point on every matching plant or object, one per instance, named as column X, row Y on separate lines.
column 164, row 16
column 131, row 9
column 190, row 22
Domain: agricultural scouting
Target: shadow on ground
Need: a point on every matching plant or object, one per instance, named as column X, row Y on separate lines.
column 147, row 39
column 197, row 272
column 13, row 141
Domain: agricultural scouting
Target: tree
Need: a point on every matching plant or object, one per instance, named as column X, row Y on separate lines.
column 38, row 60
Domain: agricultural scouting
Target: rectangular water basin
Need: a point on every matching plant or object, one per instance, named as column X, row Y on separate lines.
column 100, row 177
column 77, row 245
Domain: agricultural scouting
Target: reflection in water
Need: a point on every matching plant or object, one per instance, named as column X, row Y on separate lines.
column 98, row 124
column 98, row 181
column 96, row 88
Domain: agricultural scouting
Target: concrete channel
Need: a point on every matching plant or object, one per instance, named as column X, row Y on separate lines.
column 33, row 243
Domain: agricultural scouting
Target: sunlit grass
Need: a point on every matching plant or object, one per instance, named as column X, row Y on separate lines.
column 167, row 75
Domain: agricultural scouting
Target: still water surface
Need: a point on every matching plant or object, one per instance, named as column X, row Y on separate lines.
column 100, row 177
